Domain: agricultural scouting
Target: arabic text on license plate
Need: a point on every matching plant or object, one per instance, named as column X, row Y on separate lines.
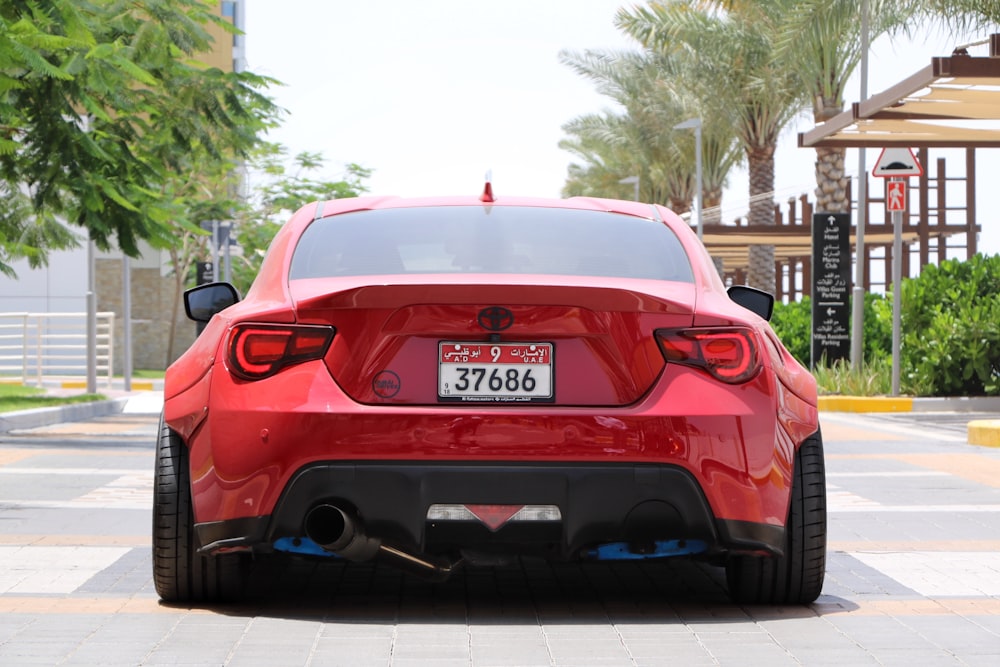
column 495, row 372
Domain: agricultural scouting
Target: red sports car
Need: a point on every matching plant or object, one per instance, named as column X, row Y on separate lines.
column 448, row 382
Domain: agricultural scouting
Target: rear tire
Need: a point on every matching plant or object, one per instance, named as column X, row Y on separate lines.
column 797, row 576
column 180, row 573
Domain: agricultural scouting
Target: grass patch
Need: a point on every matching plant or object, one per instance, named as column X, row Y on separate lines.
column 874, row 378
column 15, row 397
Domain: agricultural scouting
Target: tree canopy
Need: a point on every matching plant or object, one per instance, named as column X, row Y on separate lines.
column 103, row 103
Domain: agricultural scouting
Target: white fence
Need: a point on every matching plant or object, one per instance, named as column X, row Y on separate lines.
column 35, row 347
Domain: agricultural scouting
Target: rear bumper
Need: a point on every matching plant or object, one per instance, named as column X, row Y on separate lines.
column 716, row 458
column 599, row 504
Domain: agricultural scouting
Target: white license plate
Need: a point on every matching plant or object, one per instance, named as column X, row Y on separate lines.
column 495, row 372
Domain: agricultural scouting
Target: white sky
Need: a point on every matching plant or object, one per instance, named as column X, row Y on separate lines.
column 431, row 94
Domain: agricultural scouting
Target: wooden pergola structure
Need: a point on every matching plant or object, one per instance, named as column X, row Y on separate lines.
column 952, row 103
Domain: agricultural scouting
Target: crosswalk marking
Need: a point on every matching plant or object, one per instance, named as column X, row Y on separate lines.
column 62, row 570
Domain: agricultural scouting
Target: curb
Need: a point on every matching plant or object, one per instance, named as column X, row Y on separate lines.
column 143, row 402
column 864, row 404
column 14, row 421
column 137, row 385
column 908, row 404
column 983, row 432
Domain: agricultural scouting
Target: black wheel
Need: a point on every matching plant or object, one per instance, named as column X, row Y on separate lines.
column 180, row 573
column 797, row 576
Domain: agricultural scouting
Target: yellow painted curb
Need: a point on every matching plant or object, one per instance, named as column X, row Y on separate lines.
column 985, row 432
column 865, row 403
column 137, row 385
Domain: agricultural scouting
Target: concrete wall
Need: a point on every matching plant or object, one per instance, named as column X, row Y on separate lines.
column 57, row 288
column 152, row 300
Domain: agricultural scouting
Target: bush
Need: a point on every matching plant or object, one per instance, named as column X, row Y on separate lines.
column 951, row 329
column 950, row 323
column 793, row 324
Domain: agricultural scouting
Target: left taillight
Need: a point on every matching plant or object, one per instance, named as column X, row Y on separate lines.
column 728, row 354
column 257, row 351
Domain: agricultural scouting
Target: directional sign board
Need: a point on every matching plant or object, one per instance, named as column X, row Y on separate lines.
column 897, row 162
column 831, row 287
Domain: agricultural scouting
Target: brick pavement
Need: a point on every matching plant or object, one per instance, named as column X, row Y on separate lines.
column 913, row 576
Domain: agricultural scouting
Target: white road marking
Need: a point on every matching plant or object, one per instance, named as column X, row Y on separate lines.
column 39, row 570
column 131, row 490
column 939, row 573
column 893, row 473
column 78, row 472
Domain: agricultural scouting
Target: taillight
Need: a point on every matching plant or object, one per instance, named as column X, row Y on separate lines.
column 730, row 354
column 258, row 351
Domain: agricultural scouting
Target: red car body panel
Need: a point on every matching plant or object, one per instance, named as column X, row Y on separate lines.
column 618, row 401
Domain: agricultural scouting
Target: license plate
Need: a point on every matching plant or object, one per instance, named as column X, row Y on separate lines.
column 495, row 372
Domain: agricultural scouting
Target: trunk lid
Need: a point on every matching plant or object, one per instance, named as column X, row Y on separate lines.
column 593, row 336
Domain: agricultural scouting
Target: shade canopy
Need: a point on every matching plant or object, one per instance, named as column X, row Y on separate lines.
column 952, row 103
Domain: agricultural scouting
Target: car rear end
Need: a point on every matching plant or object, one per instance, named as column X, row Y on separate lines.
column 478, row 381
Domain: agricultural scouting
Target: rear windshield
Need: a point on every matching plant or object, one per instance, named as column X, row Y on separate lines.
column 484, row 239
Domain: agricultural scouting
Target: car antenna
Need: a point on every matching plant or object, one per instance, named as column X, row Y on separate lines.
column 487, row 195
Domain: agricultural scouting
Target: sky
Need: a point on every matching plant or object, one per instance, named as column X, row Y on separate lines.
column 431, row 95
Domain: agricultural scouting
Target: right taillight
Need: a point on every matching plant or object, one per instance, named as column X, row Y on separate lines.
column 728, row 354
column 257, row 351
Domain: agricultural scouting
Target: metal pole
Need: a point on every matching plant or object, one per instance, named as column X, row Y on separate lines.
column 858, row 310
column 634, row 180
column 697, row 170
column 91, row 320
column 897, row 293
column 695, row 124
column 226, row 245
column 127, row 322
column 217, row 265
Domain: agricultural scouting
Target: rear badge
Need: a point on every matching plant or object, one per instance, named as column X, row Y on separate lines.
column 495, row 318
column 386, row 384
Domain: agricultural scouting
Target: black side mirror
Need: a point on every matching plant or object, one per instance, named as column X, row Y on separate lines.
column 754, row 300
column 204, row 301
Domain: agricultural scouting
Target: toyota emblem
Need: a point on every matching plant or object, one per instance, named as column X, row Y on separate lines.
column 495, row 318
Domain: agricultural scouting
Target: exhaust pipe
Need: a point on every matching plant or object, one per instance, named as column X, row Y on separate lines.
column 338, row 532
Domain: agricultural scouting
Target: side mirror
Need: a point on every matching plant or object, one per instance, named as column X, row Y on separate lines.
column 204, row 301
column 754, row 300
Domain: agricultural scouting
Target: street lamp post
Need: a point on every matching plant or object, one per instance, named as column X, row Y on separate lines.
column 695, row 124
column 633, row 180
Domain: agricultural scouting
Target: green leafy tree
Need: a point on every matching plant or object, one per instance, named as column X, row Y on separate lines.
column 102, row 103
column 280, row 186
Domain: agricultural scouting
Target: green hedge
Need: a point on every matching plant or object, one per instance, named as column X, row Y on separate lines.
column 950, row 329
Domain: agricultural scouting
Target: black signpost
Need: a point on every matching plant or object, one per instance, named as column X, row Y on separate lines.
column 831, row 287
column 206, row 272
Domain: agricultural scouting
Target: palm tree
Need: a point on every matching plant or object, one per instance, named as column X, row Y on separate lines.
column 733, row 69
column 641, row 134
column 820, row 42
column 651, row 91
